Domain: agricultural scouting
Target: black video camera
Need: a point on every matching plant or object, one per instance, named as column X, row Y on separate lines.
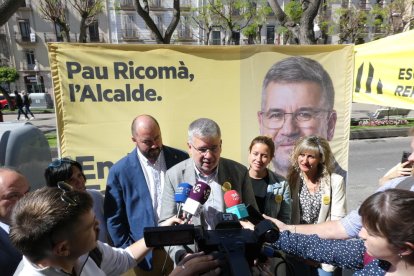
column 237, row 246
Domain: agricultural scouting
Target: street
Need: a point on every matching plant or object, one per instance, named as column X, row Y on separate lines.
column 368, row 161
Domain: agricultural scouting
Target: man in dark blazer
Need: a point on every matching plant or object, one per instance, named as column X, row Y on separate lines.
column 13, row 186
column 206, row 165
column 133, row 191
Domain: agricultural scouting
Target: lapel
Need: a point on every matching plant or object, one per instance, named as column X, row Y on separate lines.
column 136, row 179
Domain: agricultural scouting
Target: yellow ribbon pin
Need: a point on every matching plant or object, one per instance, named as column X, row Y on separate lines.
column 278, row 198
column 226, row 186
column 326, row 199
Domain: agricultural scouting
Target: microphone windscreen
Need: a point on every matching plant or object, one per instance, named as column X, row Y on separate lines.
column 200, row 192
column 182, row 192
column 231, row 198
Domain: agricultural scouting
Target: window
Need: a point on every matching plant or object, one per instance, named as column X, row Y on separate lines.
column 30, row 59
column 94, row 31
column 128, row 26
column 270, row 34
column 216, row 35
column 184, row 30
column 24, row 26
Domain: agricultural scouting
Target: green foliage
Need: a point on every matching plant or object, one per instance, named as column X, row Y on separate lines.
column 8, row 75
column 294, row 11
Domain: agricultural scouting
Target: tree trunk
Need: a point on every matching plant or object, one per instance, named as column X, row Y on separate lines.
column 82, row 30
column 8, row 8
column 174, row 22
column 310, row 10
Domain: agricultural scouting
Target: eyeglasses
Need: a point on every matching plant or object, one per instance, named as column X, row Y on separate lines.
column 58, row 162
column 203, row 150
column 275, row 119
column 66, row 195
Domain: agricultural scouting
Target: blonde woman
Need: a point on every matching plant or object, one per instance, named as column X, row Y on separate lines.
column 318, row 194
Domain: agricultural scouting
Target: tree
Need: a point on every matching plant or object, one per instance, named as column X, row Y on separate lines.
column 235, row 15
column 297, row 20
column 203, row 21
column 352, row 25
column 7, row 76
column 8, row 8
column 260, row 13
column 144, row 11
column 88, row 11
column 55, row 12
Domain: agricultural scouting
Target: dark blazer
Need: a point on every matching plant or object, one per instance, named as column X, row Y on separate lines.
column 128, row 205
column 228, row 171
column 10, row 257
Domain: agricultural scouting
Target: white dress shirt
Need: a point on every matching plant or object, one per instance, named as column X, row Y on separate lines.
column 154, row 176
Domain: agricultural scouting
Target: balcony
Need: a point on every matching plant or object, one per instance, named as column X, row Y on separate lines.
column 127, row 5
column 26, row 39
column 185, row 35
column 130, row 34
column 74, row 37
column 26, row 6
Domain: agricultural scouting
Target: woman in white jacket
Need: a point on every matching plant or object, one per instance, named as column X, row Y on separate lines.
column 318, row 194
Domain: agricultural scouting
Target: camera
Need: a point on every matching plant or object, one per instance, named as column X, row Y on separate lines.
column 237, row 246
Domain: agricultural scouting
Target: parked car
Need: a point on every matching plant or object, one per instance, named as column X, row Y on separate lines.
column 3, row 102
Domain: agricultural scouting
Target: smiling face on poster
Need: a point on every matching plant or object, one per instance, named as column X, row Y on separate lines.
column 297, row 100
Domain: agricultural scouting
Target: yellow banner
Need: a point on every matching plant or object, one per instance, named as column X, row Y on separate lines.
column 384, row 71
column 99, row 89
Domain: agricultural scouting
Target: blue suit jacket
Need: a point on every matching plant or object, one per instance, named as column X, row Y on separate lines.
column 10, row 257
column 128, row 205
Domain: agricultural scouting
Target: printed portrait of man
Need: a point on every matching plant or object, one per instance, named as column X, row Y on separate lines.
column 297, row 100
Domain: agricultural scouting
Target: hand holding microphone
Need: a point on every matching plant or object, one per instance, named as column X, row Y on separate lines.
column 181, row 195
column 234, row 206
column 197, row 197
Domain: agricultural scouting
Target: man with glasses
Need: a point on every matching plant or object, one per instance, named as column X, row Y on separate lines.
column 133, row 191
column 13, row 186
column 205, row 165
column 297, row 100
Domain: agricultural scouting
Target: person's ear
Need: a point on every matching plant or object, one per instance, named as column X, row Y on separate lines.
column 331, row 125
column 62, row 249
column 408, row 249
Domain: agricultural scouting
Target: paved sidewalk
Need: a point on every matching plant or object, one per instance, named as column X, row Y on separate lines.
column 46, row 122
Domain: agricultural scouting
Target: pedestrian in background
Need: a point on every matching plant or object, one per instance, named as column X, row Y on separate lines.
column 19, row 105
column 26, row 103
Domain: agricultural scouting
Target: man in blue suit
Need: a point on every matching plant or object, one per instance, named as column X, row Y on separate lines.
column 133, row 191
column 13, row 186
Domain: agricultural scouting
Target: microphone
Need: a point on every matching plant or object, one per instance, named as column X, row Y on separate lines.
column 198, row 196
column 234, row 206
column 181, row 195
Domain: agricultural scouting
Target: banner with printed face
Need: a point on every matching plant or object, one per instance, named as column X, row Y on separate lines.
column 100, row 89
column 384, row 71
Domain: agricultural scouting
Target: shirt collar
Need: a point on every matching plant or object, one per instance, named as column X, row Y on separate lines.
column 147, row 162
column 206, row 178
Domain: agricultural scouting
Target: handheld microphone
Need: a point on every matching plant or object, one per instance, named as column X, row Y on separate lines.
column 234, row 206
column 181, row 195
column 198, row 196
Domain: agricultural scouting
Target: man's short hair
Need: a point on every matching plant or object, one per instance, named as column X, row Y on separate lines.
column 203, row 127
column 43, row 218
column 300, row 69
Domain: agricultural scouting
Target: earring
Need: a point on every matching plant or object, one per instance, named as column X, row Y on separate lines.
column 400, row 255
